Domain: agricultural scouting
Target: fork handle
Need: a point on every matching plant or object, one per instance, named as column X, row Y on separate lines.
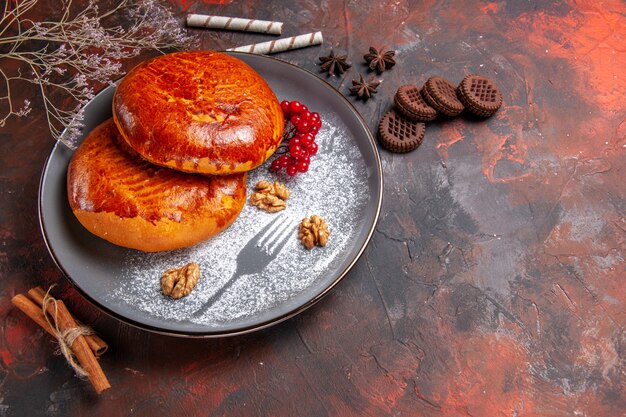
column 217, row 295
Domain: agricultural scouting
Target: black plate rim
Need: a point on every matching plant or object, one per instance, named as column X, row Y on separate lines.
column 252, row 328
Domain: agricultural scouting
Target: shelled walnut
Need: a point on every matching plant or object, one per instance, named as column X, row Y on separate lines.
column 313, row 231
column 178, row 282
column 270, row 197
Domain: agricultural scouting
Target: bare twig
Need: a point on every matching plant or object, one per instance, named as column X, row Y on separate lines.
column 65, row 58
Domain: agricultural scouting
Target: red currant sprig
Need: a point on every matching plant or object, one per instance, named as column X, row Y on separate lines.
column 299, row 140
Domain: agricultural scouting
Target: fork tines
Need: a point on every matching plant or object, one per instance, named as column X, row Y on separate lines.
column 276, row 233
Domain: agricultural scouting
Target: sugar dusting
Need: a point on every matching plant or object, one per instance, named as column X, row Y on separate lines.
column 335, row 187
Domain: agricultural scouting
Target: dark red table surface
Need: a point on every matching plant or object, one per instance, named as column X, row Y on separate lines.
column 493, row 284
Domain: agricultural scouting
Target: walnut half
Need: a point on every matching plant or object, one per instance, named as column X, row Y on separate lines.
column 313, row 231
column 270, row 197
column 178, row 282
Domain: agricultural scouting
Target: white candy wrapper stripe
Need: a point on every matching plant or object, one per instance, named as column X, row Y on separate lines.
column 234, row 23
column 284, row 44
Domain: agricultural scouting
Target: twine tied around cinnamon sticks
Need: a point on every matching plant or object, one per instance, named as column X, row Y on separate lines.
column 78, row 343
column 67, row 337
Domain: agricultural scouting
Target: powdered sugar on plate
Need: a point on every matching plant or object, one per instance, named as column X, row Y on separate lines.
column 335, row 187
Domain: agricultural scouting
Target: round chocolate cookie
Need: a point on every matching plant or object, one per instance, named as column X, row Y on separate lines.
column 410, row 103
column 440, row 94
column 479, row 95
column 399, row 134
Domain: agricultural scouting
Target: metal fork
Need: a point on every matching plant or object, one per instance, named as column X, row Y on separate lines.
column 262, row 249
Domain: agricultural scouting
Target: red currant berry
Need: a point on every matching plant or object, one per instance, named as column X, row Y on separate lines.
column 303, row 126
column 283, row 161
column 275, row 166
column 306, row 158
column 302, row 166
column 295, row 107
column 306, row 115
column 295, row 150
column 292, row 170
column 307, row 140
column 300, row 141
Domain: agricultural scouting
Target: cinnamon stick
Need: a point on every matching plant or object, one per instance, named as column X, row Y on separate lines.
column 80, row 348
column 31, row 310
column 37, row 294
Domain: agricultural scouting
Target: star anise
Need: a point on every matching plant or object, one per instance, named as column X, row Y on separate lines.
column 334, row 64
column 364, row 89
column 380, row 60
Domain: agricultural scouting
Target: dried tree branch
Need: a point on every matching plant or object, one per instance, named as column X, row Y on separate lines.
column 65, row 58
